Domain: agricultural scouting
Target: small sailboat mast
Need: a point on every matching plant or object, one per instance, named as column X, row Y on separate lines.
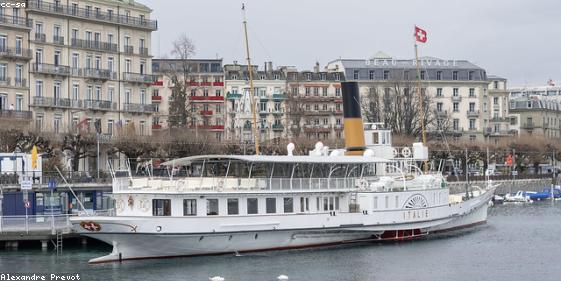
column 251, row 90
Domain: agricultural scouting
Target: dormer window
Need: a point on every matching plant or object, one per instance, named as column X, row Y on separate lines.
column 308, row 76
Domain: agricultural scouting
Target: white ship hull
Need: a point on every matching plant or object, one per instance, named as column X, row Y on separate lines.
column 139, row 238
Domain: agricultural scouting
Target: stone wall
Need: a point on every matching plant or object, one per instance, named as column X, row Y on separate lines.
column 506, row 186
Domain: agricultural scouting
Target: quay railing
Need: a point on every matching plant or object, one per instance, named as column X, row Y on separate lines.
column 45, row 224
column 48, row 224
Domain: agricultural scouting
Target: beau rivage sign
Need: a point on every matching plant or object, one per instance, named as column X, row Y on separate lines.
column 412, row 63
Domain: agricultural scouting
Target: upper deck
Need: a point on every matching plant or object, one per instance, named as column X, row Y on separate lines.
column 273, row 174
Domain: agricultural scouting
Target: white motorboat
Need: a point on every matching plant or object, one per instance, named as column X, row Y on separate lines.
column 244, row 203
column 518, row 197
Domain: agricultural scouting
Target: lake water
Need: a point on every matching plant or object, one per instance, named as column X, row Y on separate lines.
column 520, row 242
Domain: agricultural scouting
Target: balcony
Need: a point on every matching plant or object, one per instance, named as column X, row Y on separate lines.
column 280, row 96
column 16, row 114
column 456, row 98
column 143, row 51
column 232, row 96
column 40, row 37
column 317, row 128
column 21, row 83
column 338, row 127
column 156, row 126
column 206, row 98
column 94, row 45
column 209, row 127
column 472, row 113
column 88, row 14
column 441, row 113
column 205, row 112
column 17, row 22
column 138, row 108
column 500, row 119
column 5, row 81
column 219, row 84
column 21, row 54
column 128, row 49
column 52, row 102
column 58, row 40
column 99, row 105
column 139, row 77
column 57, row 70
column 99, row 74
column 278, row 127
column 156, row 99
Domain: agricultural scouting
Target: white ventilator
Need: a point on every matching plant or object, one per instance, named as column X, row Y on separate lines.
column 290, row 149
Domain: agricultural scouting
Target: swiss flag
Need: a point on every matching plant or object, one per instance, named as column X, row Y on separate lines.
column 420, row 35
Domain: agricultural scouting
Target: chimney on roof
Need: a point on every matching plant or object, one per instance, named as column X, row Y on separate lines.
column 316, row 67
column 269, row 66
column 235, row 62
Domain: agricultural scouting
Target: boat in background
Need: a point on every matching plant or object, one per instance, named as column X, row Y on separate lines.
column 519, row 197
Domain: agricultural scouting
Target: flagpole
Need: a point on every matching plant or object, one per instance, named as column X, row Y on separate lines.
column 256, row 131
column 421, row 100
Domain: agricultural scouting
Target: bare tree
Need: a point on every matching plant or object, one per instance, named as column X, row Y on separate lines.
column 78, row 146
column 399, row 108
column 179, row 105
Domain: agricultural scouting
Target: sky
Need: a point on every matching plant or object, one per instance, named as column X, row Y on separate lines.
column 515, row 39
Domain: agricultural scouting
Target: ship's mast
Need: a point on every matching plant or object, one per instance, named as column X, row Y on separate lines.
column 251, row 91
column 421, row 101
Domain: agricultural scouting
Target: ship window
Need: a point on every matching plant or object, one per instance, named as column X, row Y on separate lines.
column 304, row 204
column 233, row 207
column 396, row 201
column 387, row 201
column 325, row 203
column 189, row 207
column 271, row 205
column 161, row 207
column 252, row 207
column 336, row 203
column 288, row 205
column 317, row 204
column 375, row 203
column 212, row 207
column 331, row 205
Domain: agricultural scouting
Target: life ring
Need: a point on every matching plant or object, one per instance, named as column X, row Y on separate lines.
column 406, row 152
column 131, row 201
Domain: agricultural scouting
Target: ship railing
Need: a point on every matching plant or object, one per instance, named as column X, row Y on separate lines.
column 224, row 183
column 36, row 224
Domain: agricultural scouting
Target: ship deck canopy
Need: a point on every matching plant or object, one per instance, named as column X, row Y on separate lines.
column 284, row 159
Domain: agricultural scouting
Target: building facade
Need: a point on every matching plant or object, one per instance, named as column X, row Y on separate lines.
column 204, row 84
column 500, row 123
column 91, row 63
column 269, row 95
column 315, row 105
column 456, row 88
column 538, row 117
column 15, row 55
